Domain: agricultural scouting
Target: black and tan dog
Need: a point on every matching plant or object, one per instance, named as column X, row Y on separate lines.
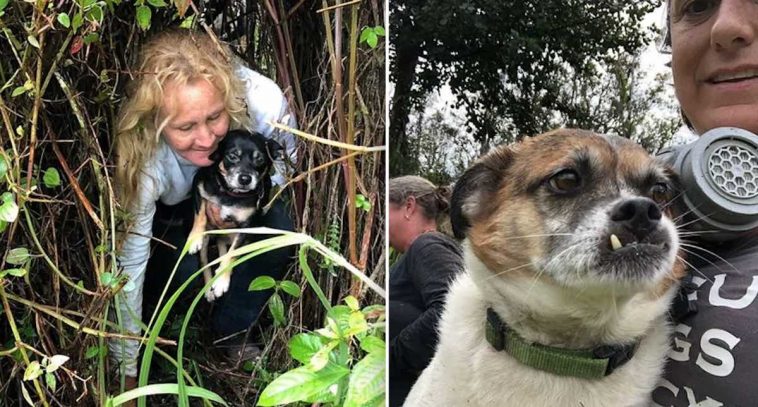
column 238, row 184
column 571, row 264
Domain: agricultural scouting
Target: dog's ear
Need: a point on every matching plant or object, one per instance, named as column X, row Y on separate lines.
column 274, row 150
column 218, row 154
column 474, row 192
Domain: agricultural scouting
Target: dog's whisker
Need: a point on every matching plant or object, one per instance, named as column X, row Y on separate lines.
column 692, row 253
column 695, row 269
column 500, row 273
column 692, row 246
column 540, row 235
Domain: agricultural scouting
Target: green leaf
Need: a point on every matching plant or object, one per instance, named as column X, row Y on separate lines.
column 90, row 38
column 157, row 3
column 352, row 302
column 17, row 272
column 3, row 4
column 379, row 30
column 8, row 210
column 18, row 91
column 357, row 324
column 372, row 344
column 26, row 395
column 51, row 178
column 290, row 288
column 3, row 168
column 77, row 21
column 91, row 352
column 300, row 383
column 18, row 256
column 50, row 380
column 55, row 362
column 95, row 14
column 64, row 20
column 262, row 283
column 106, row 279
column 144, row 14
column 372, row 40
column 367, row 382
column 276, row 306
column 33, row 41
column 338, row 318
column 364, row 34
column 3, row 226
column 319, row 359
column 303, row 346
column 163, row 388
column 187, row 22
column 33, row 371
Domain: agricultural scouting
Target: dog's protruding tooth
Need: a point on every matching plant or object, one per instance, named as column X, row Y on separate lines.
column 615, row 242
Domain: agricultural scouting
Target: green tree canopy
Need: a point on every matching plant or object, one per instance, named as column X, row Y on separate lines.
column 499, row 57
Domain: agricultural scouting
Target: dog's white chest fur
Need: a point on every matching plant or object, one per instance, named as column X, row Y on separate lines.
column 467, row 371
column 227, row 212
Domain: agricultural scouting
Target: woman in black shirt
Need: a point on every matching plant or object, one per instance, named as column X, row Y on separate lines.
column 419, row 279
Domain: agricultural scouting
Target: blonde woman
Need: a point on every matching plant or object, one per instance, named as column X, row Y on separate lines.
column 187, row 91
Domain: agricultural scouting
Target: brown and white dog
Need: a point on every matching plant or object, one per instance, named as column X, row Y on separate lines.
column 568, row 249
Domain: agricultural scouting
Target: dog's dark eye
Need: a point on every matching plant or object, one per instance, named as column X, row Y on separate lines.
column 660, row 192
column 233, row 157
column 565, row 181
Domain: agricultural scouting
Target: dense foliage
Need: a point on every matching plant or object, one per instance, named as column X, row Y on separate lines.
column 63, row 67
column 500, row 58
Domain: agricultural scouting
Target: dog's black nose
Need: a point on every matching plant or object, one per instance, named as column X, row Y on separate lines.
column 245, row 179
column 639, row 216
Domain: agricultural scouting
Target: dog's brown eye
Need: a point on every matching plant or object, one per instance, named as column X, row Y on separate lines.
column 565, row 181
column 660, row 192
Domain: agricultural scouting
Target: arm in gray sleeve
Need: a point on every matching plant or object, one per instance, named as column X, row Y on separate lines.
column 266, row 103
column 133, row 260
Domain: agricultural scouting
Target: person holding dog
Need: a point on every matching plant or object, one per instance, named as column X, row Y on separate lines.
column 419, row 279
column 187, row 91
column 714, row 61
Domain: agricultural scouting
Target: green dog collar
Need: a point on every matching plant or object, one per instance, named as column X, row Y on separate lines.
column 582, row 363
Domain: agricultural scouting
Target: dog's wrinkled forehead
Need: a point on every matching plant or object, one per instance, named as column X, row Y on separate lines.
column 608, row 163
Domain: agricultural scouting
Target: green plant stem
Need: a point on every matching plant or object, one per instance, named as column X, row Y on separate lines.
column 35, row 118
column 33, row 234
column 17, row 338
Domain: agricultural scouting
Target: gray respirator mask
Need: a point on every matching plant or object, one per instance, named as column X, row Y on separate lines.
column 719, row 178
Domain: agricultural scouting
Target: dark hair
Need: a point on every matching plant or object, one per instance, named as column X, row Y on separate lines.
column 433, row 200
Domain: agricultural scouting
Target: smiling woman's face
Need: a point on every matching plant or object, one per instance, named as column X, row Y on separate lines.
column 197, row 120
column 715, row 62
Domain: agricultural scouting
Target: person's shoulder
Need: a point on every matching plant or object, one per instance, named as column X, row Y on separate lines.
column 435, row 241
column 263, row 86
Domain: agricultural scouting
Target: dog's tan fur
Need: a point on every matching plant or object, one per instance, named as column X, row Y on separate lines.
column 507, row 269
column 224, row 244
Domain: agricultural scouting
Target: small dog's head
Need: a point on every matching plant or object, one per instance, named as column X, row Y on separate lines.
column 243, row 159
column 572, row 206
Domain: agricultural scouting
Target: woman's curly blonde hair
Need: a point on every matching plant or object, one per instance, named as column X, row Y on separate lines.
column 178, row 57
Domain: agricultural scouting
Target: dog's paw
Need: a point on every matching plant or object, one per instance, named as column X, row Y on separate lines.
column 195, row 242
column 220, row 286
column 209, row 295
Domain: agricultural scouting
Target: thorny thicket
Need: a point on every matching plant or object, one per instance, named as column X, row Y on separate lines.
column 63, row 66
